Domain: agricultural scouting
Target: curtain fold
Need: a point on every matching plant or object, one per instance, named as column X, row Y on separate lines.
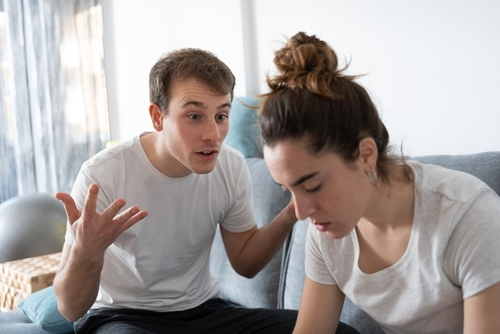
column 53, row 99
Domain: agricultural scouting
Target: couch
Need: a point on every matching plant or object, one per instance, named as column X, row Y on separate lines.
column 279, row 284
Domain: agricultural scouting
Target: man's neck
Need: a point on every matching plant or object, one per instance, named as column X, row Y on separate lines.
column 158, row 155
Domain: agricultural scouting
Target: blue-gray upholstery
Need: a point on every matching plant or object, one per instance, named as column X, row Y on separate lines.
column 262, row 290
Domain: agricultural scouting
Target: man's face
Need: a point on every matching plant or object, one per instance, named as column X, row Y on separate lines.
column 194, row 128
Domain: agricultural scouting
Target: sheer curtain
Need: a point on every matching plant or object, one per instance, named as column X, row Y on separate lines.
column 53, row 104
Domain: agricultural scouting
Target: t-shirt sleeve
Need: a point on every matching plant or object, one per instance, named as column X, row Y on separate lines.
column 241, row 216
column 472, row 258
column 315, row 265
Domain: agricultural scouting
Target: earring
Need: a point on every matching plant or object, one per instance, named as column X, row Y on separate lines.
column 373, row 179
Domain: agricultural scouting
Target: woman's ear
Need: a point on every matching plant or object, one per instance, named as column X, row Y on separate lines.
column 156, row 116
column 368, row 154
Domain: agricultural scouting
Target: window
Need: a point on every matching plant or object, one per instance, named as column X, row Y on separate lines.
column 53, row 104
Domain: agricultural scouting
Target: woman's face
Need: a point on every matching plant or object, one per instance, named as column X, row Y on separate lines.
column 333, row 194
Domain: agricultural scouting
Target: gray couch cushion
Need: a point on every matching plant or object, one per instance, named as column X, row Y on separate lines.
column 485, row 166
column 262, row 290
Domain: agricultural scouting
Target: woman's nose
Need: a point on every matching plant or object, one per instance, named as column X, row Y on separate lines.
column 303, row 207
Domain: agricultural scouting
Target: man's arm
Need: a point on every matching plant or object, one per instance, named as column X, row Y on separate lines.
column 77, row 280
column 76, row 283
column 249, row 252
column 481, row 311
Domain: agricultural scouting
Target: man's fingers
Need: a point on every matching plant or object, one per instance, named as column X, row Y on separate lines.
column 112, row 210
column 72, row 211
column 124, row 220
column 90, row 205
column 130, row 217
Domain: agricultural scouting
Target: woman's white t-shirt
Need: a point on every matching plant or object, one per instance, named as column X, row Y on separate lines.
column 453, row 253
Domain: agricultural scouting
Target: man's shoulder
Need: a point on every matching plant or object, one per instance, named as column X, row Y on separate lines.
column 115, row 153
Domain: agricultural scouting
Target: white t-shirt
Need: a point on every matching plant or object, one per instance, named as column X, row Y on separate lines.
column 162, row 262
column 453, row 253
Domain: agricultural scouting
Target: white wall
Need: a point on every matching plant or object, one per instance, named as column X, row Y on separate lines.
column 431, row 66
column 138, row 33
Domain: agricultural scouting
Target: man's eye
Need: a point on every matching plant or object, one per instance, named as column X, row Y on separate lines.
column 222, row 117
column 194, row 117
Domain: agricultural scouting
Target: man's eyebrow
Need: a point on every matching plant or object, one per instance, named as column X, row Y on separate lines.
column 304, row 178
column 203, row 105
column 195, row 103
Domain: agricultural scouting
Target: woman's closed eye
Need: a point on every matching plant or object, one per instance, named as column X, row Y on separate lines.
column 315, row 189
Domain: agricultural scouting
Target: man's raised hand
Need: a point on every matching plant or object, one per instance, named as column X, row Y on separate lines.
column 95, row 232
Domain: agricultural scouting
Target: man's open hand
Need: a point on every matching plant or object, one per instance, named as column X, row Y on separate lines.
column 95, row 232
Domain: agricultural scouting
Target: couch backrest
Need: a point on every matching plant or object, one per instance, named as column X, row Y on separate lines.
column 485, row 166
column 262, row 290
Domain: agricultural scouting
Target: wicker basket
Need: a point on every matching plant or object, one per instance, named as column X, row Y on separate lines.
column 20, row 278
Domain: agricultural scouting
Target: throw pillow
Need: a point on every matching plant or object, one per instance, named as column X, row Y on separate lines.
column 41, row 308
column 244, row 134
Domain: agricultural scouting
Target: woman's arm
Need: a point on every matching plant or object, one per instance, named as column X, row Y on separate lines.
column 481, row 311
column 320, row 308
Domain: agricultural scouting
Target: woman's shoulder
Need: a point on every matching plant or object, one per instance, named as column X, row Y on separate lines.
column 452, row 184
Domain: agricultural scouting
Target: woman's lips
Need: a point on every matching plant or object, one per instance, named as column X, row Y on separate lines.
column 322, row 227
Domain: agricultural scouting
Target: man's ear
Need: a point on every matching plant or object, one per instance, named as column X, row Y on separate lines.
column 156, row 116
column 368, row 154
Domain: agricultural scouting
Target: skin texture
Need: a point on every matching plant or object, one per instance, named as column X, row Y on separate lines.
column 188, row 139
column 338, row 197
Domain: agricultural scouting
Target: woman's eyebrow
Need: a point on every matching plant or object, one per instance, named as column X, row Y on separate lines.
column 304, row 178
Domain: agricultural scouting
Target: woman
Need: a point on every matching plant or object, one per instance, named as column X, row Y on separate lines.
column 415, row 246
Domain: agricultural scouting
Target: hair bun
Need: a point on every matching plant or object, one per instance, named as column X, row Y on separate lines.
column 305, row 62
column 312, row 53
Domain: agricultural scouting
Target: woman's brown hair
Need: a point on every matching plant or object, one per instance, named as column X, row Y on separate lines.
column 311, row 99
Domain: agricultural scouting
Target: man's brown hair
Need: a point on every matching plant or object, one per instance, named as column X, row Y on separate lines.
column 184, row 64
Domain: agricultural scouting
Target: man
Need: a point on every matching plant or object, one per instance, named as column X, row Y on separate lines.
column 145, row 268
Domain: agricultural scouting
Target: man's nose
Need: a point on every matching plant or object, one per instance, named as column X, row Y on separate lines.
column 211, row 131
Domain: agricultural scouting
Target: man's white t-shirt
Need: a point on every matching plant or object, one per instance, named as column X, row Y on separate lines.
column 453, row 253
column 162, row 262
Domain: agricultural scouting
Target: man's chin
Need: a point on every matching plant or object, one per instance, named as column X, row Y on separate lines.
column 203, row 169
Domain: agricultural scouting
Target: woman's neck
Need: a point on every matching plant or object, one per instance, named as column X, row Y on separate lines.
column 392, row 204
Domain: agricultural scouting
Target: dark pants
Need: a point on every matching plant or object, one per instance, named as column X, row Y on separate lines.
column 213, row 316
